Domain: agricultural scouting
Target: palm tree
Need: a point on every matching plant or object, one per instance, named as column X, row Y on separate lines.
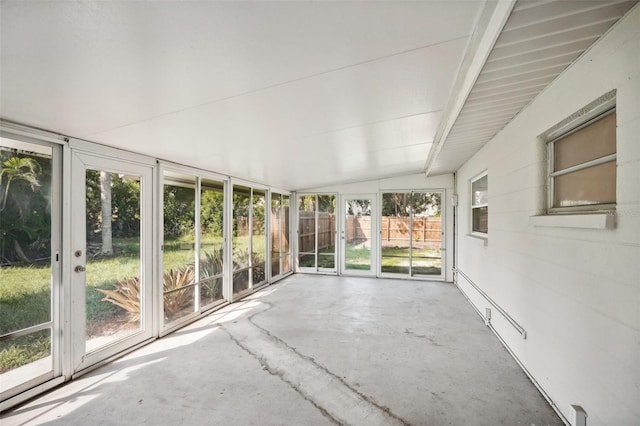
column 18, row 168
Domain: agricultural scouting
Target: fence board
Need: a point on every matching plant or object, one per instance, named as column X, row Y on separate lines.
column 358, row 228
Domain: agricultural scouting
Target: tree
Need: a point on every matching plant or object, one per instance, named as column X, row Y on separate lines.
column 106, row 209
column 18, row 168
column 25, row 209
column 403, row 204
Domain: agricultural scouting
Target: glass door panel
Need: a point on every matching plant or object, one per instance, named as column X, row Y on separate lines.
column 411, row 233
column 307, row 231
column 357, row 235
column 326, row 232
column 179, row 246
column 29, row 247
column 396, row 233
column 241, row 238
column 285, row 235
column 113, row 257
column 258, row 238
column 211, row 241
column 276, row 233
column 426, row 255
column 111, row 263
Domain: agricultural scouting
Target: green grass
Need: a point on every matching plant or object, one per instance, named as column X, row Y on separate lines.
column 394, row 259
column 25, row 301
column 25, row 293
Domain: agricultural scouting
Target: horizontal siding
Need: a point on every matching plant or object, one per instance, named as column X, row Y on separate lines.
column 576, row 292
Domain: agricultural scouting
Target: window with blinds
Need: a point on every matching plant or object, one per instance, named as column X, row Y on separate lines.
column 582, row 169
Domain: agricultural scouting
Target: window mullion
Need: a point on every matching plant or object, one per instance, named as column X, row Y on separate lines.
column 577, row 167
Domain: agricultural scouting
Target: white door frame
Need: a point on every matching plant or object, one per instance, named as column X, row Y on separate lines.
column 81, row 160
column 374, row 234
column 443, row 239
column 24, row 378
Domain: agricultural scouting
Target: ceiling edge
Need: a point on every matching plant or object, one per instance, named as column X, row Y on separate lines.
column 488, row 28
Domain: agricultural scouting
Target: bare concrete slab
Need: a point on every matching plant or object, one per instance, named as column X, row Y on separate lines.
column 312, row 350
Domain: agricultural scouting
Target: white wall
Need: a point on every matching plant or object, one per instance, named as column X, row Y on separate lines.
column 576, row 292
column 408, row 182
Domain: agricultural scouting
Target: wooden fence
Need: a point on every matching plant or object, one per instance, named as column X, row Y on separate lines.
column 326, row 231
column 395, row 230
column 425, row 230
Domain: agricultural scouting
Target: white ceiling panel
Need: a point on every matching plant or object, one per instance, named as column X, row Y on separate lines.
column 291, row 94
column 240, row 88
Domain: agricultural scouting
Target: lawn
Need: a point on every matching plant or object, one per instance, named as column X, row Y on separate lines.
column 395, row 259
column 25, row 301
column 25, row 298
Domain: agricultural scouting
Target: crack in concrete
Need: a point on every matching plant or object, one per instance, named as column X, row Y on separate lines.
column 280, row 375
column 366, row 398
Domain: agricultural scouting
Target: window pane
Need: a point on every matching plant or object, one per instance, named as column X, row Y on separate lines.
column 240, row 281
column 112, row 276
column 307, row 226
column 395, row 238
column 481, row 219
column 479, row 190
column 258, row 237
column 210, row 291
column 241, row 237
column 241, row 234
column 25, row 249
column 284, row 227
column 326, row 231
column 593, row 185
column 357, row 234
column 276, row 233
column 426, row 255
column 593, row 141
column 211, row 241
column 286, row 263
column 179, row 246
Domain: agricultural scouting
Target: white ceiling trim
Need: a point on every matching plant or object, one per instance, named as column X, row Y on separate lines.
column 538, row 42
column 487, row 30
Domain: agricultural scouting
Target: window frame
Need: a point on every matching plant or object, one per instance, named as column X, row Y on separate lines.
column 478, row 206
column 584, row 118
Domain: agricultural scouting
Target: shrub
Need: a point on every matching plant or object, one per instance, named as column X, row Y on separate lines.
column 176, row 296
column 177, row 284
column 211, row 264
column 127, row 293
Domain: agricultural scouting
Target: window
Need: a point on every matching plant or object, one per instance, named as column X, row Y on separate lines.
column 480, row 204
column 582, row 164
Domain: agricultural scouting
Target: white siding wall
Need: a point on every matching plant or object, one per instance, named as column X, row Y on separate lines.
column 576, row 292
column 414, row 181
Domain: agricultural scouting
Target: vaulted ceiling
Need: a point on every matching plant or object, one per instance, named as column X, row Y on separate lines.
column 291, row 94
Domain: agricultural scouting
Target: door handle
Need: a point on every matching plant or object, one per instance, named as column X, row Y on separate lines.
column 79, row 268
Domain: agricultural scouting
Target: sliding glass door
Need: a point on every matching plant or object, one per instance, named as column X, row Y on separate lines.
column 30, row 249
column 317, row 233
column 193, row 245
column 412, row 234
column 279, row 228
column 249, row 242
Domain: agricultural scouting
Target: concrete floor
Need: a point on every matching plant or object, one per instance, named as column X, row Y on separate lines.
column 312, row 350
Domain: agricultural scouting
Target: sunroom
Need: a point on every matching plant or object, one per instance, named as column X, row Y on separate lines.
column 166, row 163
